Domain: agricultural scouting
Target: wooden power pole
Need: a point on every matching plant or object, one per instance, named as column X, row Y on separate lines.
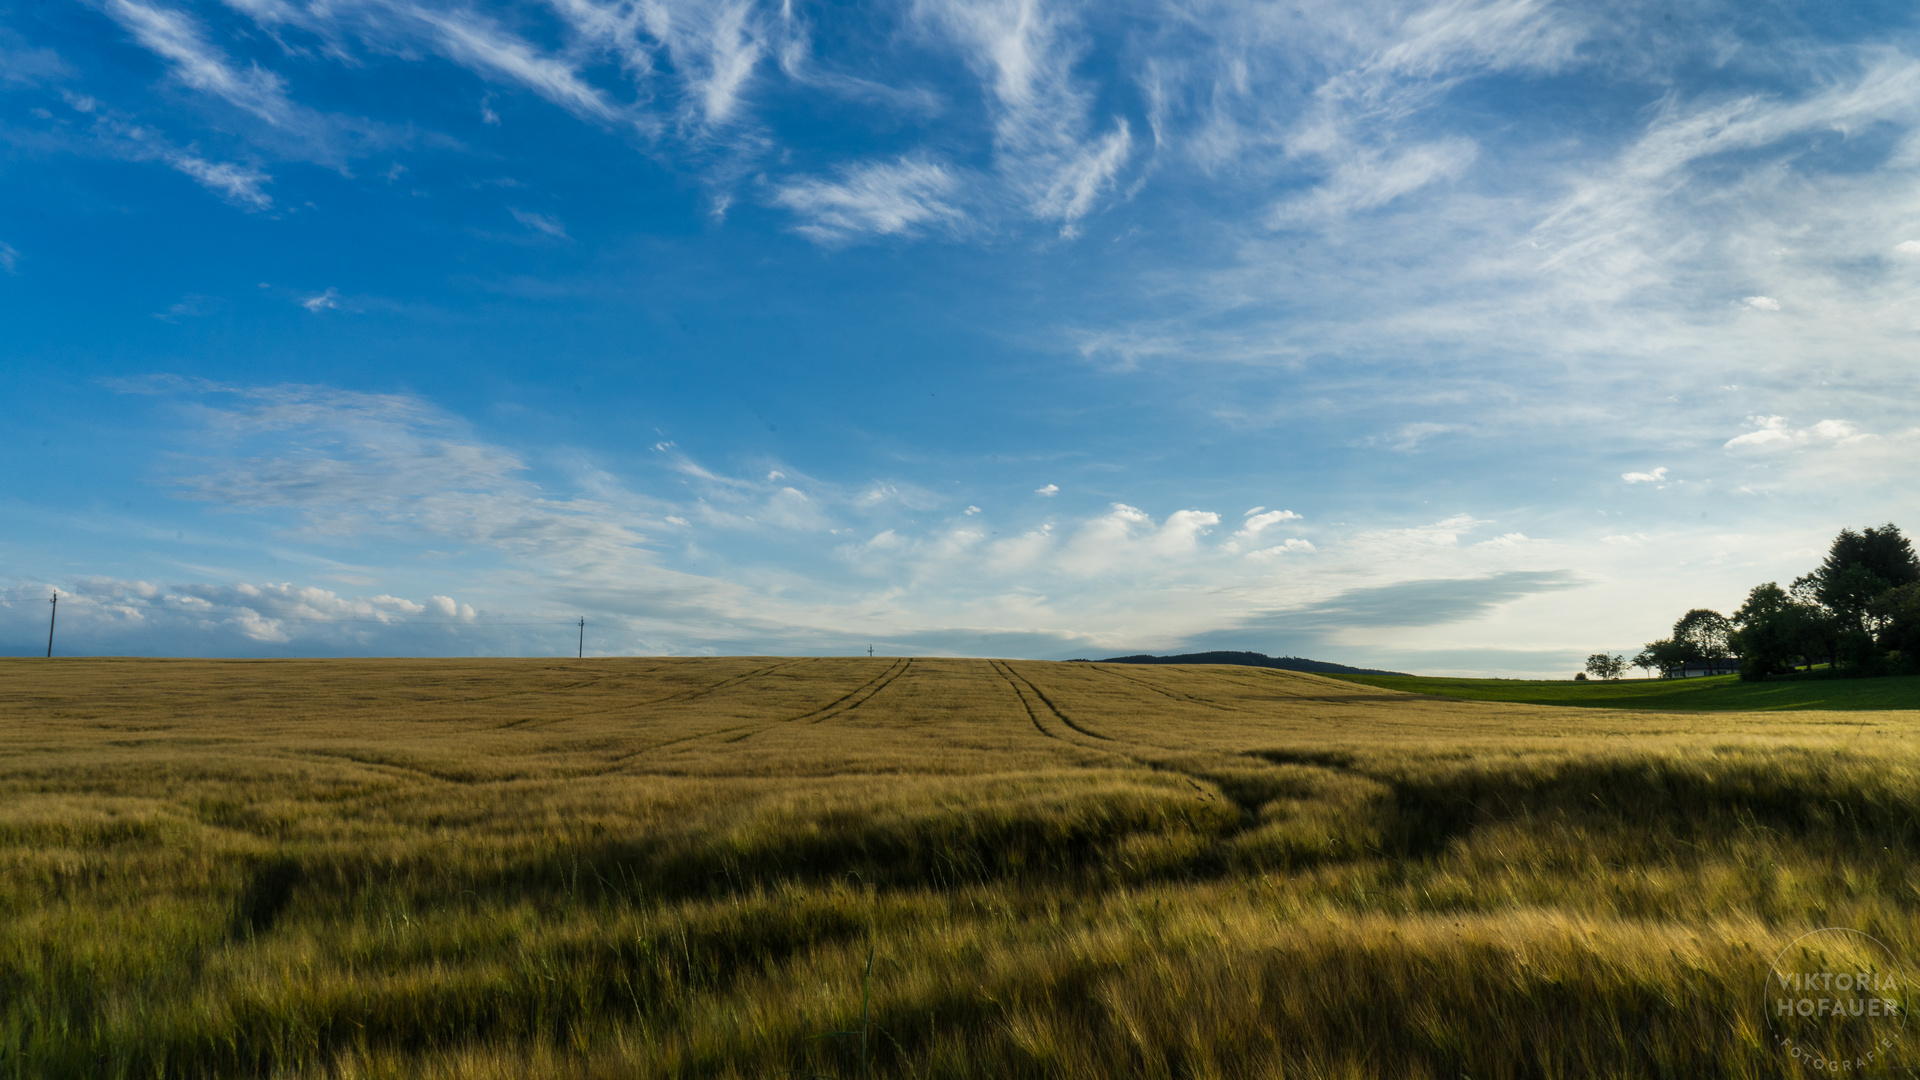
column 52, row 614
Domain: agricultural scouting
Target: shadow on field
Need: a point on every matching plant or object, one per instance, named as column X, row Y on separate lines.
column 268, row 890
column 1660, row 802
column 1276, row 811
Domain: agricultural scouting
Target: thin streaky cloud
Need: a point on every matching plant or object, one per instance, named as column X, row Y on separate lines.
column 885, row 198
column 178, row 38
column 542, row 223
column 478, row 43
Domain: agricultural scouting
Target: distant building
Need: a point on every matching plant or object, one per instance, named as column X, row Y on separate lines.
column 1719, row 665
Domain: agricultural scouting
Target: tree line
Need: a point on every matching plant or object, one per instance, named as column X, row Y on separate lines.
column 1858, row 612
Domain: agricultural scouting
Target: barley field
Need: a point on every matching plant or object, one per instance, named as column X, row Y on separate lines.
column 803, row 867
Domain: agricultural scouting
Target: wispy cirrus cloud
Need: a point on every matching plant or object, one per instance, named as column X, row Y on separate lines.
column 240, row 184
column 540, row 223
column 900, row 197
column 472, row 40
column 23, row 64
column 178, row 38
column 1045, row 143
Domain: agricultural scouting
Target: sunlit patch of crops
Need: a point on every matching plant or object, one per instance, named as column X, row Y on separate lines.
column 684, row 867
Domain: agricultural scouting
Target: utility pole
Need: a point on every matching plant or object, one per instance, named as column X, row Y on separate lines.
column 52, row 614
column 583, row 639
column 869, row 652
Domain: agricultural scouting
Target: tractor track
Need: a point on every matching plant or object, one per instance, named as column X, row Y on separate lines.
column 1000, row 670
column 1168, row 693
column 870, row 689
column 1048, row 702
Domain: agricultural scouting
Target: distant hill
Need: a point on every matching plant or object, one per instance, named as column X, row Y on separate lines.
column 1252, row 659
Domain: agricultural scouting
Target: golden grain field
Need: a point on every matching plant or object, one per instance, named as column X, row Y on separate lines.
column 717, row 867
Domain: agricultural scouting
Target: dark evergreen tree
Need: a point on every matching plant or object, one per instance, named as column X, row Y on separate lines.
column 1859, row 567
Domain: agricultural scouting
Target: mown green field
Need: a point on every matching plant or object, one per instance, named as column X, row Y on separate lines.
column 787, row 867
column 1718, row 693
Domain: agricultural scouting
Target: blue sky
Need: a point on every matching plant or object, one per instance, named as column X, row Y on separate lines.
column 1467, row 337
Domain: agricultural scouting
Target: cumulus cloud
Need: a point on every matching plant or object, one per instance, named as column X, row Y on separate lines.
column 1291, row 547
column 1256, row 523
column 1050, row 489
column 1774, row 431
column 1259, row 520
column 326, row 301
column 1654, row 477
column 101, row 614
column 1761, row 303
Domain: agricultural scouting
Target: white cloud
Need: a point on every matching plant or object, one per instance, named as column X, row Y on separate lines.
column 22, row 64
column 106, row 612
column 1408, row 437
column 1774, row 431
column 1365, row 179
column 1024, row 52
column 1761, row 303
column 1290, row 547
column 1654, row 477
column 468, row 38
column 9, row 258
column 178, row 38
column 970, row 511
column 1259, row 522
column 326, row 301
column 1908, row 247
column 239, row 184
column 880, row 198
column 1256, row 523
column 544, row 223
column 1050, row 489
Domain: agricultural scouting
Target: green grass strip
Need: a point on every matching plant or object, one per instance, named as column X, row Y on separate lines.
column 1718, row 693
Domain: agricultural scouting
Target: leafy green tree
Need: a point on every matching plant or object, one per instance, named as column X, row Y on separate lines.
column 1704, row 633
column 1667, row 655
column 1646, row 661
column 1602, row 666
column 1774, row 631
column 1823, row 630
column 1898, row 611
